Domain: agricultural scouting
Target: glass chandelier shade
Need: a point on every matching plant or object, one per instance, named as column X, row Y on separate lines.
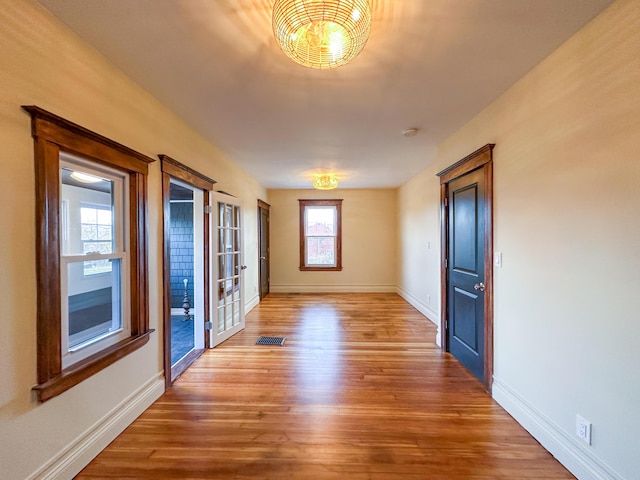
column 325, row 182
column 321, row 33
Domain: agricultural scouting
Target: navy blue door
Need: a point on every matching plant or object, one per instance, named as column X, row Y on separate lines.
column 465, row 267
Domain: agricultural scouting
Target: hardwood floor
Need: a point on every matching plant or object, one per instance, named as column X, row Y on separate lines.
column 358, row 391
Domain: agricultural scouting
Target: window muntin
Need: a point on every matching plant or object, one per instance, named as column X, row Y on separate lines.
column 94, row 259
column 228, row 249
column 320, row 234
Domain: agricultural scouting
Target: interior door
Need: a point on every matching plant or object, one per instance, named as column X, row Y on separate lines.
column 466, row 270
column 227, row 308
column 263, row 232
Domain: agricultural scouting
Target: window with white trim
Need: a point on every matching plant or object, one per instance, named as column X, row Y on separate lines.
column 94, row 260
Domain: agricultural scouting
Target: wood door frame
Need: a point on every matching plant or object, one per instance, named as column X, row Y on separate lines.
column 172, row 169
column 480, row 159
column 264, row 206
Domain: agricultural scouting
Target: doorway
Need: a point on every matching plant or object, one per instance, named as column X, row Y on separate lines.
column 263, row 247
column 185, row 297
column 185, row 272
column 466, row 191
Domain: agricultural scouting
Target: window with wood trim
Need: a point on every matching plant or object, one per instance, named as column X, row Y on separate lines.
column 320, row 235
column 91, row 249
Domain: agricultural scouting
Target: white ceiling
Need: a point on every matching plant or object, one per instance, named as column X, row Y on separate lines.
column 429, row 64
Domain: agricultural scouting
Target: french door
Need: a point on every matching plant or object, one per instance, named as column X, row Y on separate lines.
column 227, row 299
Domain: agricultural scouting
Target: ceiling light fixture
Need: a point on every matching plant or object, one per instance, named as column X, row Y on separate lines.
column 321, row 33
column 325, row 181
column 410, row 132
column 85, row 177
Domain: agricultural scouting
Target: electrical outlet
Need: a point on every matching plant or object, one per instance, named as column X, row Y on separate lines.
column 583, row 429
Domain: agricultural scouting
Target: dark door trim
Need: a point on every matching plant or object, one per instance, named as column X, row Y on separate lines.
column 480, row 159
column 173, row 169
column 263, row 206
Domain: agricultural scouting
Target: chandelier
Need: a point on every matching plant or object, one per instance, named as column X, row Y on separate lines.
column 321, row 33
column 325, row 182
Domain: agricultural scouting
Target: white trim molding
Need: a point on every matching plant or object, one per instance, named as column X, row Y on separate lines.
column 332, row 288
column 77, row 455
column 424, row 309
column 251, row 303
column 419, row 305
column 568, row 450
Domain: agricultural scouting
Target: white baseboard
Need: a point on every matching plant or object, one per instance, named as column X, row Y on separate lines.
column 569, row 451
column 77, row 455
column 419, row 305
column 251, row 303
column 332, row 288
column 424, row 309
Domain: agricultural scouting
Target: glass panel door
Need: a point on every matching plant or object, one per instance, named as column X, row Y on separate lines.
column 228, row 269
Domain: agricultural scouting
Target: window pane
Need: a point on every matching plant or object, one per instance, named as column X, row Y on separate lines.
column 88, row 215
column 228, row 242
column 104, row 216
column 221, row 240
column 221, row 320
column 228, row 216
column 221, row 266
column 89, row 232
column 320, row 221
column 236, row 313
column 95, row 308
column 321, row 251
column 104, row 232
column 228, row 266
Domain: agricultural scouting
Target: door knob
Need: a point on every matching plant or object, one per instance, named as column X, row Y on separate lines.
column 479, row 286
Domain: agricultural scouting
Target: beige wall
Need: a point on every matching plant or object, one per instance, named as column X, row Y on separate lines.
column 567, row 197
column 44, row 64
column 419, row 244
column 368, row 242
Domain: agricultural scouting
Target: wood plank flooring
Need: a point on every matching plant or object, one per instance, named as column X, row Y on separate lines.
column 358, row 391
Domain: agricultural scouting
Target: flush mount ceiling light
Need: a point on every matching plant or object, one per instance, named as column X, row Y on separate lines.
column 410, row 132
column 325, row 181
column 321, row 33
column 85, row 177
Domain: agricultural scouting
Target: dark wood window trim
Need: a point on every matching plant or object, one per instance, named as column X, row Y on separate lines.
column 321, row 203
column 174, row 169
column 52, row 135
column 480, row 159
